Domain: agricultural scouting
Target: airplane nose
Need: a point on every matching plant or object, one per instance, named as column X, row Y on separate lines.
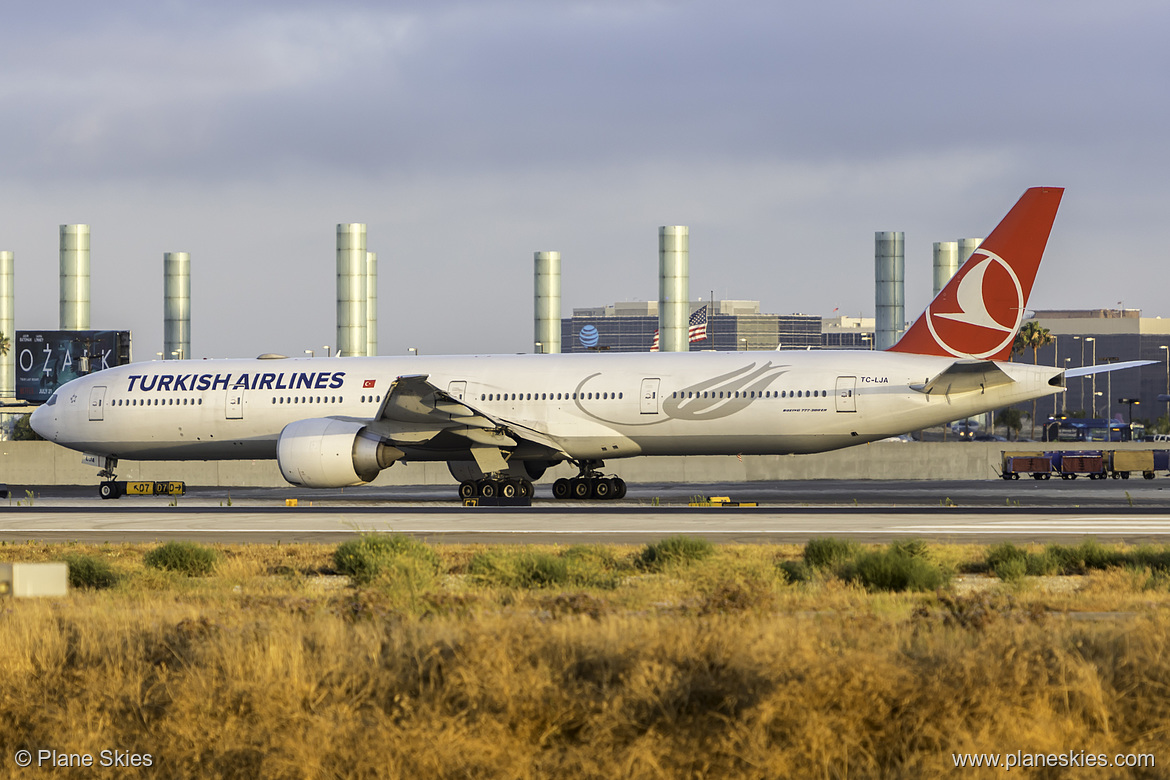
column 40, row 422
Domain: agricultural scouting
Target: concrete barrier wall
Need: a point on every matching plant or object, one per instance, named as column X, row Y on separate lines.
column 45, row 463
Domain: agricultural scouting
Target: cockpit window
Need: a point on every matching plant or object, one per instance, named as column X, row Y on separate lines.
column 52, row 400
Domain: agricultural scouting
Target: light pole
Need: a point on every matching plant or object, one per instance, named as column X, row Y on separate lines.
column 540, row 347
column 1167, row 348
column 160, row 355
column 1055, row 362
column 327, row 349
column 1109, row 388
column 1094, row 377
column 310, row 353
column 1078, row 338
column 1064, row 395
column 412, row 349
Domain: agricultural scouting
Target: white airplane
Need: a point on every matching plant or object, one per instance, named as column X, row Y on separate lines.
column 501, row 420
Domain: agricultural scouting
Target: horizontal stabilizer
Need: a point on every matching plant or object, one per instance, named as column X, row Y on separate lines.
column 965, row 376
column 1105, row 367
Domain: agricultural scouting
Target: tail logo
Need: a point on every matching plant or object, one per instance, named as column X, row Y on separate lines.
column 978, row 313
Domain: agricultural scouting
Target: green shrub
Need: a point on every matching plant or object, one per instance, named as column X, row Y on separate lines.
column 373, row 555
column 675, row 549
column 913, row 548
column 86, row 571
column 524, row 570
column 795, row 571
column 829, row 552
column 1042, row 564
column 188, row 558
column 1157, row 559
column 897, row 568
column 1087, row 555
column 595, row 566
column 1010, row 569
column 1003, row 552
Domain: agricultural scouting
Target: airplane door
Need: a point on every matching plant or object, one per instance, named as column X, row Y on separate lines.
column 650, row 396
column 235, row 404
column 846, row 394
column 97, row 402
column 456, row 390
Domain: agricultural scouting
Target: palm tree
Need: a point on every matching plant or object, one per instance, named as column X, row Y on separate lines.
column 4, row 343
column 1032, row 336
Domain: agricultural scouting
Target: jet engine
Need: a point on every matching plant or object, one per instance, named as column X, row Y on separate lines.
column 327, row 453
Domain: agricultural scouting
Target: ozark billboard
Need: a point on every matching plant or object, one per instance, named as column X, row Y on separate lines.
column 47, row 359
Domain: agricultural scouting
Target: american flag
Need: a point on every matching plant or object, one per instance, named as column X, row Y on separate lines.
column 698, row 325
column 697, row 330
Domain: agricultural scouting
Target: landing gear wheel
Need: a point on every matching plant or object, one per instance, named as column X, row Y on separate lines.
column 562, row 489
column 109, row 489
column 508, row 489
column 525, row 489
column 1006, row 476
column 619, row 488
column 468, row 489
column 602, row 488
column 1125, row 475
column 1015, row 476
column 488, row 488
column 581, row 487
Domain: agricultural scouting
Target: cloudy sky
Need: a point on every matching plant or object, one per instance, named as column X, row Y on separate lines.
column 469, row 135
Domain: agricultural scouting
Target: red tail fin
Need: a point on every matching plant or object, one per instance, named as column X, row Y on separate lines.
column 979, row 311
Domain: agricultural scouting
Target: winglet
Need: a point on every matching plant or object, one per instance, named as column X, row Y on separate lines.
column 979, row 311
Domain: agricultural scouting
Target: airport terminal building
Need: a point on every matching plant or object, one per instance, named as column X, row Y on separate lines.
column 1085, row 337
column 732, row 325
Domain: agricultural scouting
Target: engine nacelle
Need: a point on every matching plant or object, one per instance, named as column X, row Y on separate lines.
column 325, row 453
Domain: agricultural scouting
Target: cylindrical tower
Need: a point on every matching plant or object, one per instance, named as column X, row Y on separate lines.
column 371, row 303
column 8, row 324
column 351, row 289
column 176, row 305
column 967, row 246
column 674, row 285
column 890, row 276
column 74, row 277
column 946, row 263
column 547, row 302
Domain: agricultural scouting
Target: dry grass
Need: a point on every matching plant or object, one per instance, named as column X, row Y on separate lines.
column 715, row 668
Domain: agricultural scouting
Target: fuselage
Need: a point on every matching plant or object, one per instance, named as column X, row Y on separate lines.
column 593, row 406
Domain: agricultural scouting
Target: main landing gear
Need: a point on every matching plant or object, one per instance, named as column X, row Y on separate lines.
column 590, row 484
column 490, row 487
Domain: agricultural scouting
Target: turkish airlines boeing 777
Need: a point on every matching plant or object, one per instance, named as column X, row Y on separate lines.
column 501, row 420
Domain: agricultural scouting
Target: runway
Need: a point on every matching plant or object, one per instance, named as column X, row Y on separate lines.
column 790, row 513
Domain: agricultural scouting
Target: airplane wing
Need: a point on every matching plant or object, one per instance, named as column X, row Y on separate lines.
column 415, row 412
column 965, row 376
column 1101, row 369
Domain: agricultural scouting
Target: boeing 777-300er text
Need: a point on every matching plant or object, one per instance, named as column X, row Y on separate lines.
column 500, row 421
